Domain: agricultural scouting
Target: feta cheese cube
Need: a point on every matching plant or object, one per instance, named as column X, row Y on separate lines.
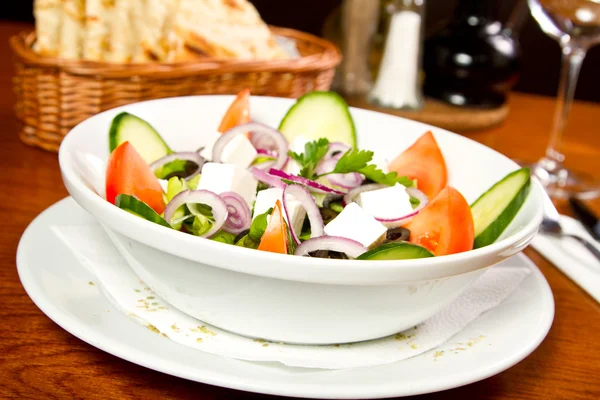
column 220, row 178
column 354, row 223
column 239, row 151
column 387, row 203
column 267, row 199
column 212, row 138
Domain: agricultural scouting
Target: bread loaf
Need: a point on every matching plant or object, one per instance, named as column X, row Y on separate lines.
column 226, row 29
column 125, row 31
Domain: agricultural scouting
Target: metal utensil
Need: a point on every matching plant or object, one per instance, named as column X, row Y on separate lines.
column 551, row 226
column 586, row 217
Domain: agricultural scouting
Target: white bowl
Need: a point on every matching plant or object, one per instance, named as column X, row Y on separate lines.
column 285, row 298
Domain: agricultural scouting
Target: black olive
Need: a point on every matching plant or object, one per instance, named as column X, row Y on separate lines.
column 241, row 235
column 189, row 168
column 319, row 254
column 329, row 254
column 328, row 214
column 397, row 234
column 338, row 255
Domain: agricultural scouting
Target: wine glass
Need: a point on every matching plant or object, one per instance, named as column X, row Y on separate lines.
column 575, row 24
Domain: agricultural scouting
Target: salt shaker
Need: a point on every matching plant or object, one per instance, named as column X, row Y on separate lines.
column 398, row 84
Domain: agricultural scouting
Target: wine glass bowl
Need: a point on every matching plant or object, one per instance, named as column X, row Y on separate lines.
column 575, row 24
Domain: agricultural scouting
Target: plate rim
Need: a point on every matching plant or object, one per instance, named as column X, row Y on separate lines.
column 170, row 367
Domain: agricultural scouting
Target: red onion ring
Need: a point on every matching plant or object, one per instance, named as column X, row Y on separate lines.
column 326, row 166
column 265, row 165
column 267, row 178
column 185, row 156
column 219, row 208
column 350, row 247
column 238, row 213
column 261, row 141
column 346, row 181
column 336, row 147
column 311, row 185
column 349, row 197
column 266, row 152
column 312, row 210
column 255, row 127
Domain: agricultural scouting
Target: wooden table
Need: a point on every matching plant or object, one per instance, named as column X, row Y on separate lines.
column 40, row 360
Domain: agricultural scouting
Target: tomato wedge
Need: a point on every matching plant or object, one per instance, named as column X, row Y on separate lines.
column 275, row 238
column 128, row 173
column 424, row 162
column 238, row 112
column 444, row 226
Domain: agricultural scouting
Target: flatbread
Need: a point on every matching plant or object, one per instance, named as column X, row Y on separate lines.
column 121, row 33
column 138, row 16
column 72, row 29
column 48, row 15
column 226, row 29
column 152, row 27
column 124, row 31
column 98, row 17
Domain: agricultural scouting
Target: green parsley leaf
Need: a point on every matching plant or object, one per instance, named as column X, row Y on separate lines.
column 358, row 161
column 353, row 161
column 376, row 175
column 313, row 153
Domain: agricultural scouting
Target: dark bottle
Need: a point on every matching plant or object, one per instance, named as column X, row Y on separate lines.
column 473, row 62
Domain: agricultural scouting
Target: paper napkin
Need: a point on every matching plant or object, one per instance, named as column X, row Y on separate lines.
column 131, row 296
column 571, row 257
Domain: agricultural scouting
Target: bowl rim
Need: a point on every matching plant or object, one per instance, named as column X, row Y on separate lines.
column 131, row 224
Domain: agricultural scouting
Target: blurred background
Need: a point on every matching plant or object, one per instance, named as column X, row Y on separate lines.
column 540, row 58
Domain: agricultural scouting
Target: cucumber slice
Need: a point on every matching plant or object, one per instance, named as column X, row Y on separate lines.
column 140, row 209
column 317, row 115
column 396, row 251
column 148, row 143
column 495, row 209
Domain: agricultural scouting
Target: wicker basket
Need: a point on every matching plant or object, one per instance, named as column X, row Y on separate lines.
column 53, row 95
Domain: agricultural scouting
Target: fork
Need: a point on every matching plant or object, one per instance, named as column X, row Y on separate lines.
column 551, row 226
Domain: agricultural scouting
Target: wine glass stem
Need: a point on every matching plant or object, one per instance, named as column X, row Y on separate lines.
column 572, row 58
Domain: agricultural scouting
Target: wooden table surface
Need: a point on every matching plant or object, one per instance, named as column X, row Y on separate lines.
column 39, row 360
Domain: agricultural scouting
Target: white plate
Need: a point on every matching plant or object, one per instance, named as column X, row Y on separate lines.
column 59, row 287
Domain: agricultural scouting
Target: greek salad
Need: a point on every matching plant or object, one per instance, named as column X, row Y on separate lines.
column 304, row 188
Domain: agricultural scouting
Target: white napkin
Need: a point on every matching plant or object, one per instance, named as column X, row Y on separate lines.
column 571, row 257
column 130, row 295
